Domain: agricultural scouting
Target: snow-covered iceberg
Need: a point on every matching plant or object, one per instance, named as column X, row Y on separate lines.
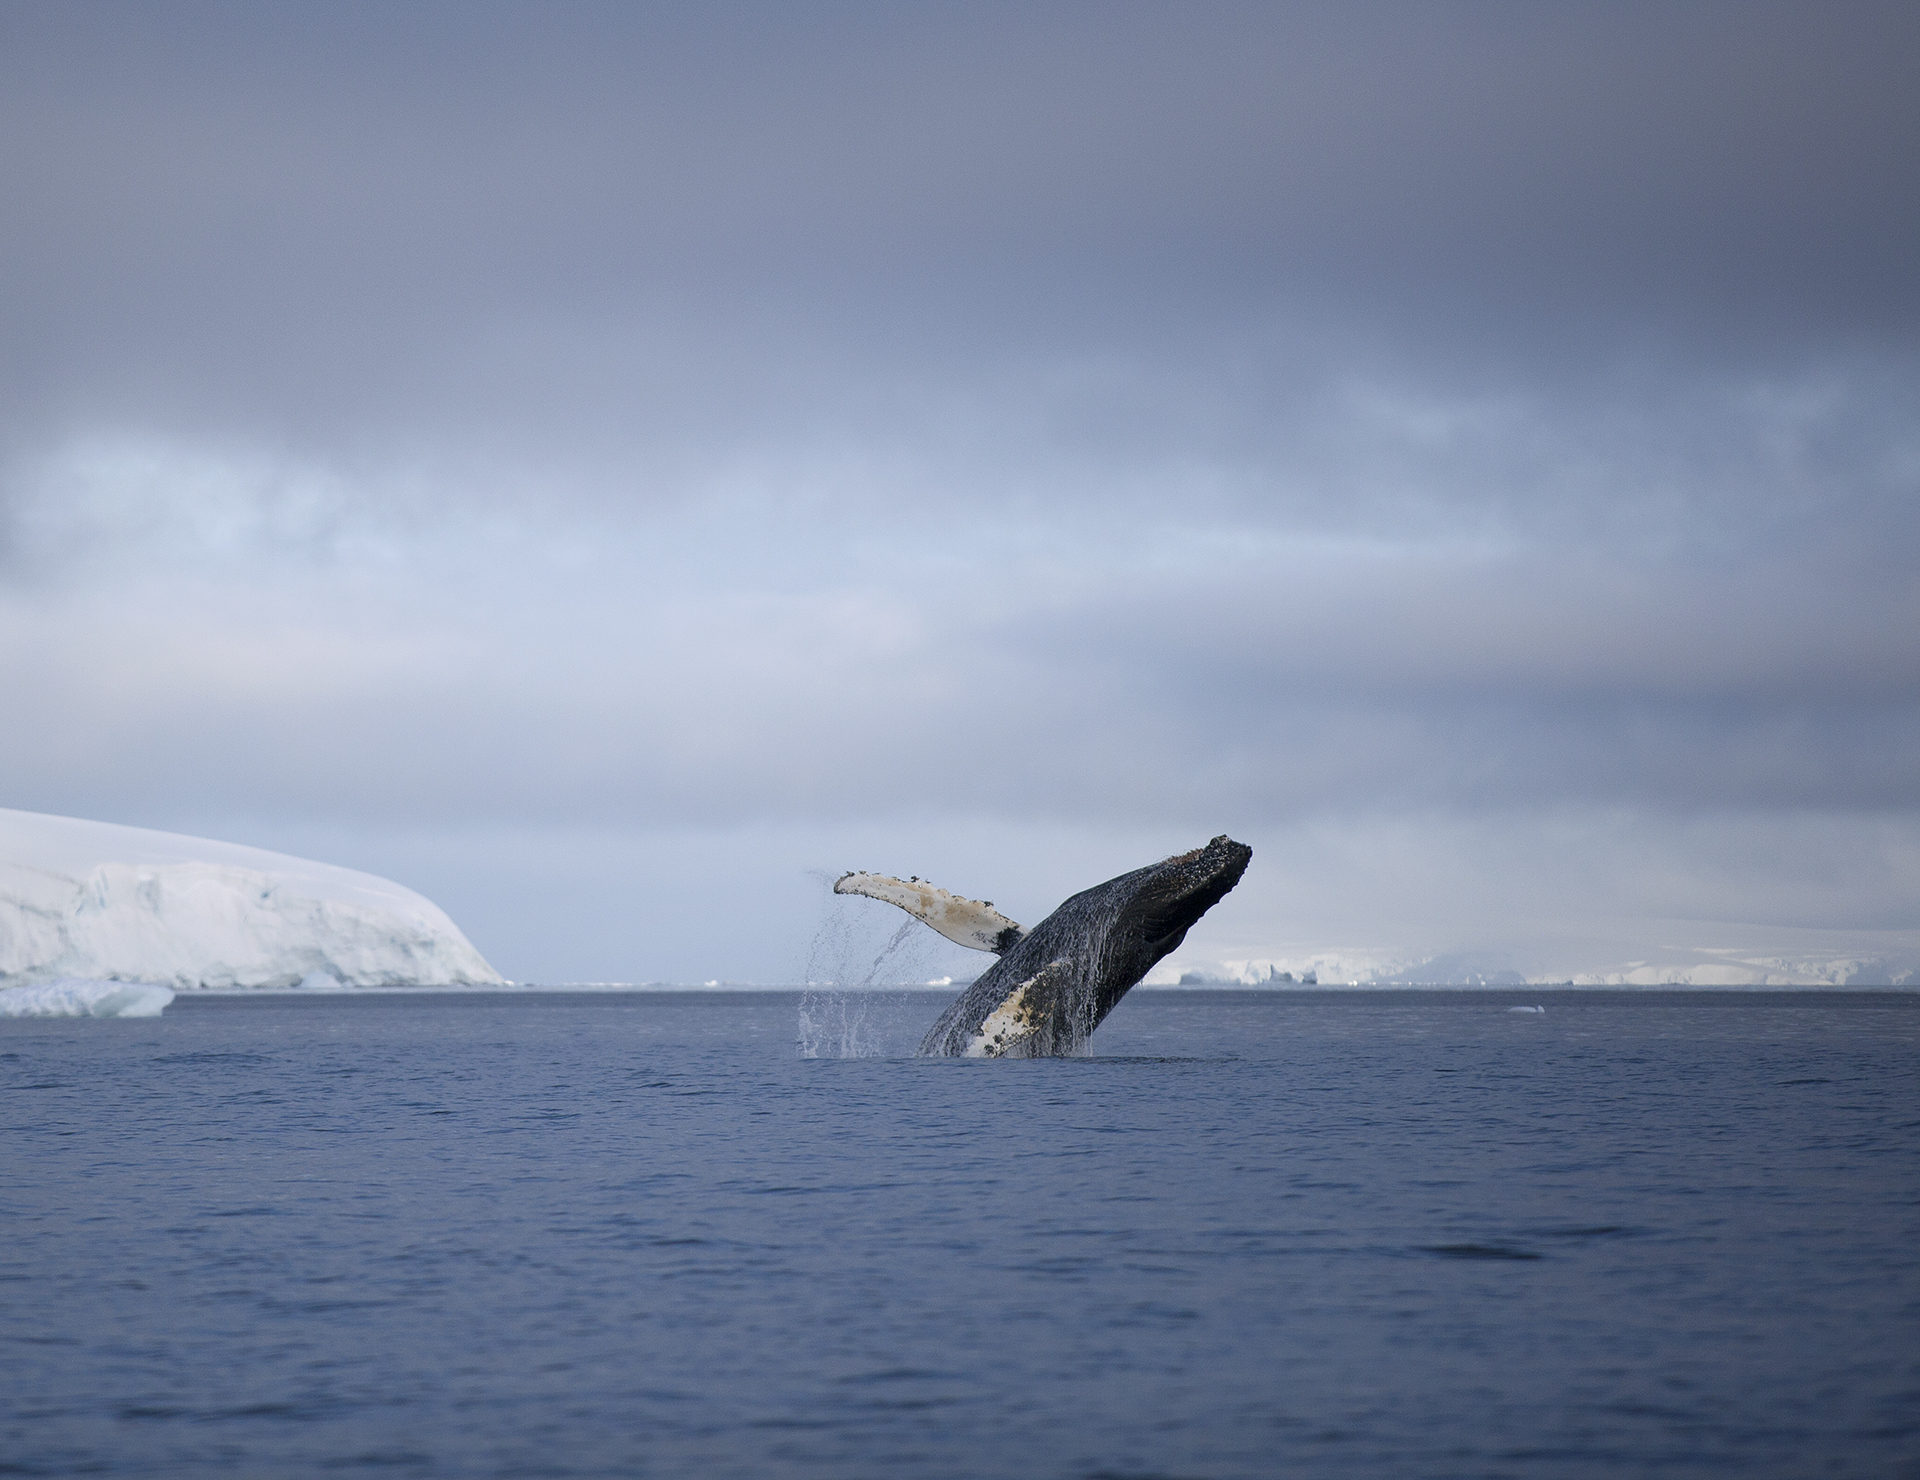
column 85, row 999
column 96, row 901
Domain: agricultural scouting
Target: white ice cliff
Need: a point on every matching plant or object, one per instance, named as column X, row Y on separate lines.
column 96, row 901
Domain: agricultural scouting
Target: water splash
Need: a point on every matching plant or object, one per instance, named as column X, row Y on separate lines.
column 836, row 1010
column 861, row 958
column 834, row 1025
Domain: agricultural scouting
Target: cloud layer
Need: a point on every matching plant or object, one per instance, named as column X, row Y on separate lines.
column 526, row 451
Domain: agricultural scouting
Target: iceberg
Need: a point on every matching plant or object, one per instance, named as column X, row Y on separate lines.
column 97, row 903
column 85, row 999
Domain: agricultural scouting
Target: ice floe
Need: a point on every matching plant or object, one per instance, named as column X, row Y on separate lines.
column 73, row 998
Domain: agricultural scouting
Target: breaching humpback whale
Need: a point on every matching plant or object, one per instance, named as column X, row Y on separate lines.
column 1054, row 983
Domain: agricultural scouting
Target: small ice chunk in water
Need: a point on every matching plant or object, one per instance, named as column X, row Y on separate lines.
column 80, row 998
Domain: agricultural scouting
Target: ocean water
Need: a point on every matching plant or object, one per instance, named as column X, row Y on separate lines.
column 1250, row 1234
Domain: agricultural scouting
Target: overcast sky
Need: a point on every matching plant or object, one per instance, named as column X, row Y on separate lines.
column 606, row 467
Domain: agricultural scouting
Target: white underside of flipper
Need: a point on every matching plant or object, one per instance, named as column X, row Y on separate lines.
column 1018, row 1017
column 965, row 922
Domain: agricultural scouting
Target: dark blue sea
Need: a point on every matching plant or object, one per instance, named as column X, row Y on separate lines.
column 1251, row 1234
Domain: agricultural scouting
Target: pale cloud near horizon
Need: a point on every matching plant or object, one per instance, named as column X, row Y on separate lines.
column 1426, row 437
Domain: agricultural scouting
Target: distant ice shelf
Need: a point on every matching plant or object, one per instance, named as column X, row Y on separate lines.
column 95, row 902
column 1892, row 961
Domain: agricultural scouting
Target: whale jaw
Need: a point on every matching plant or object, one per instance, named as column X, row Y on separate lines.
column 1046, row 995
column 1180, row 890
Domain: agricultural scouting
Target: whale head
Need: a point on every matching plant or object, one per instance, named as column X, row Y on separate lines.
column 1153, row 908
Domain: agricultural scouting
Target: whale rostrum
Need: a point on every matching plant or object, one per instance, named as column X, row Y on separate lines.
column 1054, row 984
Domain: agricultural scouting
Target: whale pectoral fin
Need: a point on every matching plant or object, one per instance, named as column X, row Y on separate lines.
column 1021, row 1014
column 965, row 922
